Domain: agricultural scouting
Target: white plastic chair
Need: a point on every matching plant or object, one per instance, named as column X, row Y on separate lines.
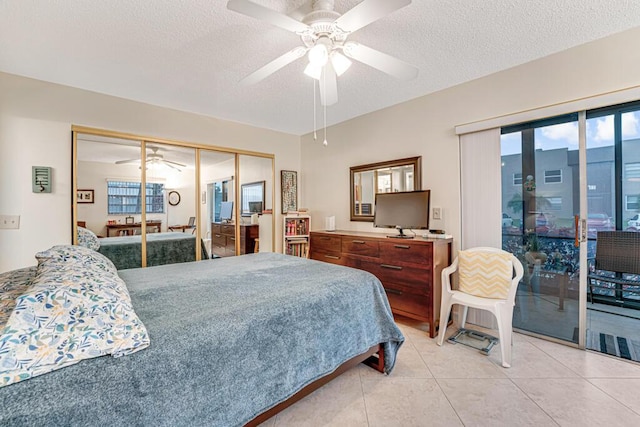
column 502, row 309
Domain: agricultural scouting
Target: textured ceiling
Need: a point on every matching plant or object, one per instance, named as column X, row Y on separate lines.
column 190, row 54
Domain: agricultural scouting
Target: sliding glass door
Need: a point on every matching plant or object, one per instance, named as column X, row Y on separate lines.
column 613, row 155
column 540, row 203
column 565, row 180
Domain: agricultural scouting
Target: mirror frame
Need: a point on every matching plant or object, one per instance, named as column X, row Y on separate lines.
column 417, row 179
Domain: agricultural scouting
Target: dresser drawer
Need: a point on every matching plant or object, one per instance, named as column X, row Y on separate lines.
column 216, row 228
column 409, row 304
column 325, row 243
column 331, row 257
column 219, row 240
column 359, row 246
column 228, row 229
column 406, row 251
column 412, row 277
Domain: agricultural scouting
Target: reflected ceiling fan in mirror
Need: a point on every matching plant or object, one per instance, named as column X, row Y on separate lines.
column 324, row 33
column 154, row 158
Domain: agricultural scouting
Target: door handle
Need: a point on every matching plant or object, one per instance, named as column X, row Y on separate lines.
column 576, row 220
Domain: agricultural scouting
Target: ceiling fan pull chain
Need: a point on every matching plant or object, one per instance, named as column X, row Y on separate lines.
column 315, row 125
column 324, row 108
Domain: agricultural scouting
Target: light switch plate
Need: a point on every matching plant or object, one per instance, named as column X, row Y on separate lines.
column 10, row 221
column 437, row 213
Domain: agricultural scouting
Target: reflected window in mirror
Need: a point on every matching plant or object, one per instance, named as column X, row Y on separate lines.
column 382, row 177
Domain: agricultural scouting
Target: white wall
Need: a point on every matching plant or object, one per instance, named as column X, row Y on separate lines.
column 425, row 126
column 35, row 130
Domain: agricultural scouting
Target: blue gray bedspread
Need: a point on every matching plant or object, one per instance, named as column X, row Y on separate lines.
column 162, row 248
column 230, row 338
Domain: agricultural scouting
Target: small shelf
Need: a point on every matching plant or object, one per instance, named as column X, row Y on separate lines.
column 296, row 235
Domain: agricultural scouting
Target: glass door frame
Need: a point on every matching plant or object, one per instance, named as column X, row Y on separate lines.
column 529, row 222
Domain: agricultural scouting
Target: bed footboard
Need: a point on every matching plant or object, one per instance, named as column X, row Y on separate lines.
column 374, row 357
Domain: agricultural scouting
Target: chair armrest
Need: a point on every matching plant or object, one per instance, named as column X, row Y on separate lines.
column 446, row 275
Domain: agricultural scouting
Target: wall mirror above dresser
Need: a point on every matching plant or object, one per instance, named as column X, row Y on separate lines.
column 382, row 177
column 179, row 207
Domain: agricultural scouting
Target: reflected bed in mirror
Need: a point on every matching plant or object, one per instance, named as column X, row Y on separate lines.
column 383, row 177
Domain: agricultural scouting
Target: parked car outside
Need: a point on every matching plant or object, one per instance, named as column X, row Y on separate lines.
column 507, row 221
column 598, row 222
column 634, row 223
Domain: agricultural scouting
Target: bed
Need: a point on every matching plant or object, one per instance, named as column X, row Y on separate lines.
column 162, row 248
column 231, row 341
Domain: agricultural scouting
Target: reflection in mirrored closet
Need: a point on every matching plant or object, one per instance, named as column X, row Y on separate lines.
column 183, row 205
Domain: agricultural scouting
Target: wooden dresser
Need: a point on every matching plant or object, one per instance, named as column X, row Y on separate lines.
column 223, row 239
column 409, row 269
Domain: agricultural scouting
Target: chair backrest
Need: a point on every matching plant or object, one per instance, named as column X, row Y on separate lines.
column 489, row 273
column 192, row 221
column 618, row 251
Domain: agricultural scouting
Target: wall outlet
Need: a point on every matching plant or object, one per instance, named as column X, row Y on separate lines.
column 437, row 213
column 10, row 221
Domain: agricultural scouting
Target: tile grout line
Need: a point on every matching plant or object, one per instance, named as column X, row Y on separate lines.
column 533, row 401
column 364, row 401
column 613, row 397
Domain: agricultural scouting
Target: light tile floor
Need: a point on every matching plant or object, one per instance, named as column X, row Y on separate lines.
column 455, row 385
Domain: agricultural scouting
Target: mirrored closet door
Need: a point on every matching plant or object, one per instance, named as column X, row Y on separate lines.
column 256, row 184
column 184, row 205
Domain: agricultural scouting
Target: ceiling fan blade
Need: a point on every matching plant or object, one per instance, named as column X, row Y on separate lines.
column 123, row 162
column 274, row 66
column 169, row 162
column 257, row 11
column 367, row 11
column 381, row 61
column 328, row 85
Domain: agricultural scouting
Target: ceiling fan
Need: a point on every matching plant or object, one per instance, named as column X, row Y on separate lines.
column 155, row 159
column 324, row 33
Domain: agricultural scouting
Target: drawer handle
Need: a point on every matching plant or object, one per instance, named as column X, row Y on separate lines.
column 391, row 267
column 217, row 235
column 402, row 246
column 326, row 238
column 359, row 242
column 332, row 257
column 232, row 238
column 392, row 291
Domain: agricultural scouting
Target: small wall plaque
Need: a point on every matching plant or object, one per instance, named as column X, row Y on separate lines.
column 41, row 179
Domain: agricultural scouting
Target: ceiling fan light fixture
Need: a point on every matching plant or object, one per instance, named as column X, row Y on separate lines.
column 340, row 62
column 318, row 55
column 313, row 71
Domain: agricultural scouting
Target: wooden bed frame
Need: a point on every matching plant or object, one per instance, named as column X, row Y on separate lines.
column 374, row 357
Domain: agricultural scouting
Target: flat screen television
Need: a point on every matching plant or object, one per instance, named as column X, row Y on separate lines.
column 402, row 210
column 226, row 211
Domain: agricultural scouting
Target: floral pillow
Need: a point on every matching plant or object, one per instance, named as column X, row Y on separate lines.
column 68, row 314
column 88, row 239
column 71, row 256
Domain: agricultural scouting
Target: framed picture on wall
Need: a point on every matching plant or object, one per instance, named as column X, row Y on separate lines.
column 289, row 184
column 84, row 196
